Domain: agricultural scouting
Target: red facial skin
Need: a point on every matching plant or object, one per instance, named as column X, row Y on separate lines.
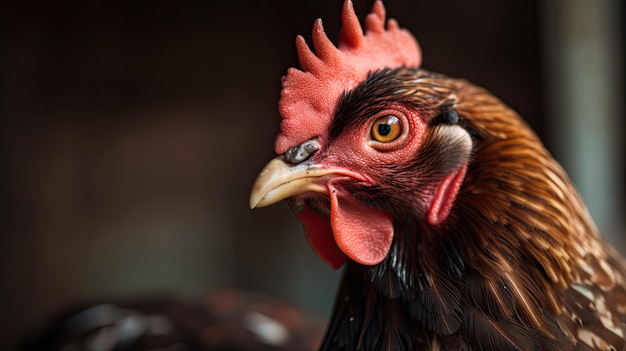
column 355, row 230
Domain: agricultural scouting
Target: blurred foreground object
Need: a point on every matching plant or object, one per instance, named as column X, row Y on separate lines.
column 226, row 320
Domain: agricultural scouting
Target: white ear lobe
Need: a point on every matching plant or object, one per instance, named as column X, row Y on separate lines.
column 458, row 135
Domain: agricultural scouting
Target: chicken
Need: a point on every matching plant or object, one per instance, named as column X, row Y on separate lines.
column 457, row 228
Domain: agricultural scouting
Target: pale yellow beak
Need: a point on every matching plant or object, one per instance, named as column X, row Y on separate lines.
column 280, row 180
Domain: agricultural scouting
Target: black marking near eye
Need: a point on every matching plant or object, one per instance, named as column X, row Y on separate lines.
column 416, row 89
column 357, row 106
column 449, row 117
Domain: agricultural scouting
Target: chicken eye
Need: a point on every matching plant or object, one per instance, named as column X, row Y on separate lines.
column 386, row 129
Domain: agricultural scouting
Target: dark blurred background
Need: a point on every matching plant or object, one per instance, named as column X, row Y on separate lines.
column 132, row 132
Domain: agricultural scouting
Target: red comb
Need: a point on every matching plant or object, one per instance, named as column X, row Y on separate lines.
column 310, row 96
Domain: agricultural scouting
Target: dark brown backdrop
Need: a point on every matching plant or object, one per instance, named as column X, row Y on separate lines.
column 131, row 134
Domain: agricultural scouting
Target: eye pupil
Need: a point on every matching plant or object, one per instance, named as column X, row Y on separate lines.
column 384, row 129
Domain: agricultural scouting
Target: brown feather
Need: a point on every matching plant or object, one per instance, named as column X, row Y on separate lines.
column 518, row 265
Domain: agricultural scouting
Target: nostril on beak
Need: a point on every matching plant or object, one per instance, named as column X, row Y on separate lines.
column 301, row 152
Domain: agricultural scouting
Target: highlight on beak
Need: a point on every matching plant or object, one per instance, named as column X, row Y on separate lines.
column 280, row 180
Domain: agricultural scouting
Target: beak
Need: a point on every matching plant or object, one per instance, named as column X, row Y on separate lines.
column 280, row 180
